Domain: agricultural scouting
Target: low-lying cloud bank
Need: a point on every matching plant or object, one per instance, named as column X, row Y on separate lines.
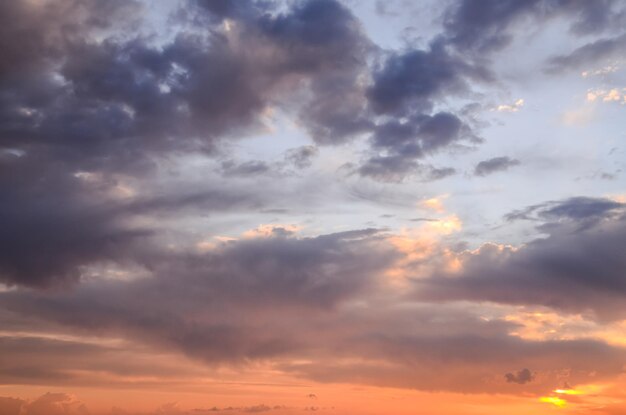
column 332, row 300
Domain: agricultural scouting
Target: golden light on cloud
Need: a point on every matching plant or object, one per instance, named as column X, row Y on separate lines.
column 568, row 392
column 548, row 325
column 601, row 71
column 620, row 198
column 516, row 106
column 447, row 225
column 420, row 244
column 267, row 230
column 415, row 249
column 607, row 95
column 213, row 243
column 558, row 397
column 261, row 231
column 554, row 400
column 434, row 203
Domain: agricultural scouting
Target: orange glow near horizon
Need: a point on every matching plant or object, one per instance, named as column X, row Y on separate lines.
column 337, row 399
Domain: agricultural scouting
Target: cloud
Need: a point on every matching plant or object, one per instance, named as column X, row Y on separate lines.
column 10, row 406
column 244, row 275
column 521, row 377
column 487, row 26
column 65, row 404
column 401, row 144
column 410, row 339
column 219, row 306
column 419, row 362
column 48, row 404
column 405, row 89
column 600, row 71
column 301, row 157
column 248, row 168
column 95, row 102
column 411, row 80
column 438, row 173
column 483, row 25
column 575, row 269
column 316, row 35
column 611, row 95
column 56, row 404
column 590, row 53
column 80, row 220
column 388, row 168
column 494, row 165
column 240, row 409
column 92, row 101
column 576, row 208
column 44, row 243
column 516, row 106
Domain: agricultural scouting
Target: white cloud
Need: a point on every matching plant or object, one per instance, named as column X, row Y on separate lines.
column 516, row 106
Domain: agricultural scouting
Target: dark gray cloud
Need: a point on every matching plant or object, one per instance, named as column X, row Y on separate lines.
column 301, row 157
column 479, row 28
column 581, row 208
column 521, row 377
column 52, row 222
column 577, row 268
column 413, row 79
column 55, row 223
column 485, row 26
column 393, row 168
column 51, row 228
column 576, row 208
column 420, row 135
column 325, row 43
column 248, row 168
column 494, row 165
column 81, row 95
column 588, row 54
column 405, row 88
column 76, row 100
column 438, row 173
column 416, row 342
column 236, row 279
column 401, row 144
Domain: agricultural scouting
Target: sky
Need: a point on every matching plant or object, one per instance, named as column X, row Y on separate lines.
column 344, row 207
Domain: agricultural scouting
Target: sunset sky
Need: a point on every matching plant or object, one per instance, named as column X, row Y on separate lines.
column 339, row 206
